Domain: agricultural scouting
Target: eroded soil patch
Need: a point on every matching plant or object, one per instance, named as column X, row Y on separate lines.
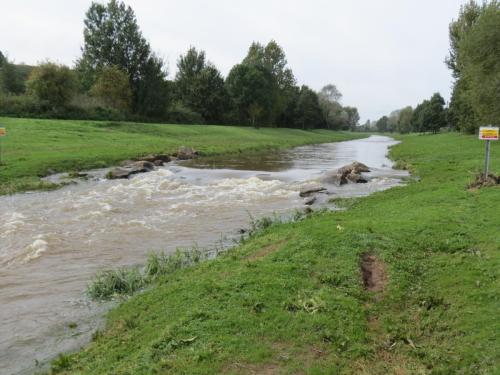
column 482, row 181
column 373, row 272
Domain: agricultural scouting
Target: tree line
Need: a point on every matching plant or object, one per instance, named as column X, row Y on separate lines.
column 474, row 60
column 118, row 76
column 429, row 116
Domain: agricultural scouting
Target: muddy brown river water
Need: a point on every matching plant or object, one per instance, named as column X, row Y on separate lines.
column 52, row 243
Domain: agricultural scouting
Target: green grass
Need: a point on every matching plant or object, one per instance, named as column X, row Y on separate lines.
column 36, row 148
column 291, row 300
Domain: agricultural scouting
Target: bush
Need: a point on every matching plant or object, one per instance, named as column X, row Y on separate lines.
column 180, row 114
column 53, row 84
column 21, row 106
column 81, row 109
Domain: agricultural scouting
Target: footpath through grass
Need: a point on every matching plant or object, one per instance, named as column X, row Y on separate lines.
column 291, row 299
column 35, row 148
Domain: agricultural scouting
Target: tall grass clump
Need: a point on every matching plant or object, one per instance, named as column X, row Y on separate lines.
column 109, row 283
column 160, row 264
column 127, row 280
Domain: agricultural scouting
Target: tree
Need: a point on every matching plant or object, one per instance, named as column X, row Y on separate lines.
column 113, row 38
column 333, row 113
column 480, row 52
column 273, row 59
column 462, row 113
column 352, row 117
column 112, row 87
column 189, row 67
column 200, row 86
column 404, row 121
column 430, row 115
column 12, row 79
column 469, row 13
column 392, row 124
column 434, row 117
column 210, row 97
column 250, row 87
column 153, row 91
column 309, row 114
column 53, row 84
column 418, row 117
column 383, row 124
column 330, row 93
column 473, row 59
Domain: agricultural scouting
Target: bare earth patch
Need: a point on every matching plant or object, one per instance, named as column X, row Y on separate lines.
column 373, row 271
column 482, row 181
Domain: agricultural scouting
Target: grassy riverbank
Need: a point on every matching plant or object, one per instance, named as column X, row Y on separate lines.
column 292, row 300
column 36, row 148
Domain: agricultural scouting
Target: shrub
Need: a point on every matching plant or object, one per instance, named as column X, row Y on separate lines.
column 53, row 84
column 180, row 114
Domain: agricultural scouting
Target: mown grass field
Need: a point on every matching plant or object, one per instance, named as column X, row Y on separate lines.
column 35, row 148
column 291, row 300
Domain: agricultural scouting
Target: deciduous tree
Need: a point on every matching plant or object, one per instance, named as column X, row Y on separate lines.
column 250, row 87
column 112, row 38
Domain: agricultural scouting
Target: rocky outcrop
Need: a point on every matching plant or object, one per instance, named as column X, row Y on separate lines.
column 186, row 153
column 348, row 173
column 129, row 169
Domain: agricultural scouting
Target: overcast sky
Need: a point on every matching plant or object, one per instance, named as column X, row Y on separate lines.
column 381, row 54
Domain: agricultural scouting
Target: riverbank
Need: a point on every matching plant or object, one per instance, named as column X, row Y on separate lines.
column 35, row 148
column 294, row 299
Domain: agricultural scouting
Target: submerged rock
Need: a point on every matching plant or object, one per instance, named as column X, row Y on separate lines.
column 356, row 178
column 310, row 189
column 118, row 172
column 309, row 200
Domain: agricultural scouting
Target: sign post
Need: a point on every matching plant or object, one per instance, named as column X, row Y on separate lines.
column 488, row 133
column 3, row 133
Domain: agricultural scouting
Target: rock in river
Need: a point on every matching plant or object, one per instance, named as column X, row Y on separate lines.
column 309, row 200
column 310, row 189
column 130, row 169
column 348, row 173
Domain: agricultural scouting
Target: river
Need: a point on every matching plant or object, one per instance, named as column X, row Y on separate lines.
column 52, row 243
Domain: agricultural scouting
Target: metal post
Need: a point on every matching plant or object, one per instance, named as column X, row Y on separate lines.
column 487, row 160
column 1, row 151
